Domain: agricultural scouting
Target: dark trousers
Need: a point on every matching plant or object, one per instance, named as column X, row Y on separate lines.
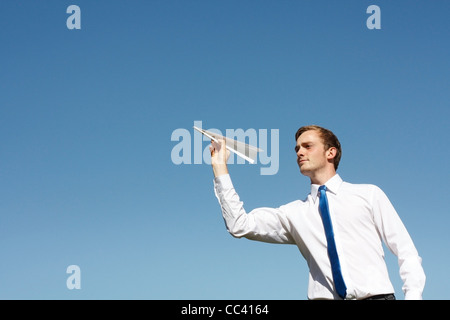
column 381, row 297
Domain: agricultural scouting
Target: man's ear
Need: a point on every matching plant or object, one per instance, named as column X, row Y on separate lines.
column 331, row 153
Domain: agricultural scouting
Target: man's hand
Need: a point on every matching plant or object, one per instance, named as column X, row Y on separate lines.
column 219, row 157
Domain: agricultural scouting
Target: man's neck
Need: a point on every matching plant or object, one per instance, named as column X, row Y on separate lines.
column 321, row 177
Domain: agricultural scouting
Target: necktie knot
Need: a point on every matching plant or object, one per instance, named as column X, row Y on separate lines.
column 322, row 191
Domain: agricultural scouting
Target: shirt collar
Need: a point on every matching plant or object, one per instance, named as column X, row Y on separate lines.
column 332, row 184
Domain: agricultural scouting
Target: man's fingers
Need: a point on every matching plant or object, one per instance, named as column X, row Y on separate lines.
column 215, row 144
column 218, row 144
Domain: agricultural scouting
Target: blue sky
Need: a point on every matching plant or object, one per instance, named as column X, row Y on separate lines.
column 86, row 118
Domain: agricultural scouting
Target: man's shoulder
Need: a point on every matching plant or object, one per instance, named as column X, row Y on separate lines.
column 360, row 187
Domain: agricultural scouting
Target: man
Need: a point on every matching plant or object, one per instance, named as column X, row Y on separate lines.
column 339, row 228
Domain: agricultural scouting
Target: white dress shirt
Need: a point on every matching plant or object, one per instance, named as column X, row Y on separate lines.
column 362, row 217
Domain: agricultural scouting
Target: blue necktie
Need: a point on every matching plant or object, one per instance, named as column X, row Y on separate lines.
column 331, row 245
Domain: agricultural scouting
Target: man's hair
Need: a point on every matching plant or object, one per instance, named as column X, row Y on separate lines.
column 328, row 139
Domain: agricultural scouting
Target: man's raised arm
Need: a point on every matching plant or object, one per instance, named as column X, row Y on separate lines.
column 261, row 224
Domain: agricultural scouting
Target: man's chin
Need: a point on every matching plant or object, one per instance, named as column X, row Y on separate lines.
column 304, row 171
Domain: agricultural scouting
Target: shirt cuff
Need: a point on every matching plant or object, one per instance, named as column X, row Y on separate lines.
column 413, row 295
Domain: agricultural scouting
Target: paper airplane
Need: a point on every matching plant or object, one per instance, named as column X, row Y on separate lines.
column 242, row 149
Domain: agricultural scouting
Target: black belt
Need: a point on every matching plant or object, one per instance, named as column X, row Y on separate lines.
column 382, row 297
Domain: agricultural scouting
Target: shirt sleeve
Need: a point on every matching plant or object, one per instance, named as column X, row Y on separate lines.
column 261, row 224
column 398, row 240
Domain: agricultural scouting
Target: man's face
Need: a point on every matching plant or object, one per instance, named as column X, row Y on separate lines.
column 311, row 155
